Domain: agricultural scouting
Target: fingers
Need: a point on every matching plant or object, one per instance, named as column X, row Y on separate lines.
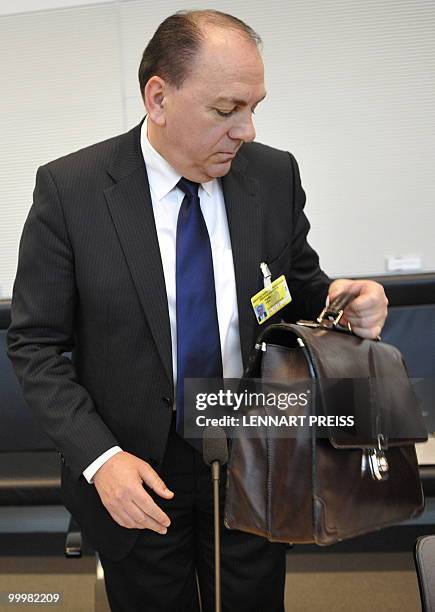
column 148, row 506
column 367, row 332
column 134, row 508
column 367, row 311
column 368, row 293
column 370, row 297
column 146, row 520
column 130, row 520
column 371, row 333
column 360, row 320
column 338, row 286
column 120, row 485
column 132, row 517
column 153, row 480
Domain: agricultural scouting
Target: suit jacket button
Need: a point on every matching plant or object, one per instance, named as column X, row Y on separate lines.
column 167, row 400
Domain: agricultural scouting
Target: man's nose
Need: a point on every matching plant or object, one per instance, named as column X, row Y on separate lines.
column 244, row 130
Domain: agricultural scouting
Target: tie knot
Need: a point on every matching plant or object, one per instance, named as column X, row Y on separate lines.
column 188, row 187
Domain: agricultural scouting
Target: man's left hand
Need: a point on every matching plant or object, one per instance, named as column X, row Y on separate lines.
column 367, row 311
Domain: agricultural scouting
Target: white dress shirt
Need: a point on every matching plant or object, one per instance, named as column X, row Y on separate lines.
column 166, row 200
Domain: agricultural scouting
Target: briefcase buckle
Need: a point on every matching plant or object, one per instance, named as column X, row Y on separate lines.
column 376, row 460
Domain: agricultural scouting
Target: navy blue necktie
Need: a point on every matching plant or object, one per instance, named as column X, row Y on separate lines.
column 198, row 343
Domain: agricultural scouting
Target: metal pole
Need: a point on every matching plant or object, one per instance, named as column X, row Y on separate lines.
column 217, row 545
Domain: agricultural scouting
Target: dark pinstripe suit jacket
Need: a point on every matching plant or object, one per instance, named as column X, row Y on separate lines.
column 90, row 280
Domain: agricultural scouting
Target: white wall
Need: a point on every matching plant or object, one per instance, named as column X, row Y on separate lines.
column 351, row 92
column 11, row 7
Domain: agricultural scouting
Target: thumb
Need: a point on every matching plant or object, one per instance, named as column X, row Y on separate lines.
column 153, row 480
column 339, row 286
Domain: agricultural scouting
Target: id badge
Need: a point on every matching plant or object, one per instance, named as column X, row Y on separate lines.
column 271, row 299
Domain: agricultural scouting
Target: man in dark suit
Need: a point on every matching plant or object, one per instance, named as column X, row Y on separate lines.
column 99, row 274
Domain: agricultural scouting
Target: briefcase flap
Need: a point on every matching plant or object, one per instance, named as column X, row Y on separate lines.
column 353, row 377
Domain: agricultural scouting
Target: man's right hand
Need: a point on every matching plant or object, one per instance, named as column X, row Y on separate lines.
column 119, row 483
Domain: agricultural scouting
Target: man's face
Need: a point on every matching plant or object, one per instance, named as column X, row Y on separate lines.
column 209, row 117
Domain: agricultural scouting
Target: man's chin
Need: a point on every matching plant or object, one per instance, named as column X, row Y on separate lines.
column 219, row 169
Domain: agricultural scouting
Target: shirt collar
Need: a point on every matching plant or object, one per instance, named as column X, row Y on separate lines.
column 162, row 177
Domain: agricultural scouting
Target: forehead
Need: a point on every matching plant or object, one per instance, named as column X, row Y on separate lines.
column 228, row 64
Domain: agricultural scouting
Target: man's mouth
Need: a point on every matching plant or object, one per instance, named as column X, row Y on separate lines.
column 228, row 155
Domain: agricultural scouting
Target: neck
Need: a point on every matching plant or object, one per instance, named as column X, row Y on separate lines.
column 154, row 137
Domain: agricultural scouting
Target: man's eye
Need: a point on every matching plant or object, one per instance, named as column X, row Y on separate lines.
column 224, row 113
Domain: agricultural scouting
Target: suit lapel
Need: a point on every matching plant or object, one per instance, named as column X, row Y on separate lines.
column 129, row 204
column 243, row 206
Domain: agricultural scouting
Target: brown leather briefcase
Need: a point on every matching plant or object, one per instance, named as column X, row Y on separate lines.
column 326, row 484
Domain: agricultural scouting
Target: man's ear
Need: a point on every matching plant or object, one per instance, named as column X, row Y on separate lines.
column 154, row 99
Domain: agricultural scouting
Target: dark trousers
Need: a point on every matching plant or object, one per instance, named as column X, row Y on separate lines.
column 159, row 574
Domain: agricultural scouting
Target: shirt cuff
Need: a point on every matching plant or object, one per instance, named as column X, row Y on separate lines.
column 91, row 470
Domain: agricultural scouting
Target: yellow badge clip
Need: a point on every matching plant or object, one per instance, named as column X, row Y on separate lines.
column 272, row 298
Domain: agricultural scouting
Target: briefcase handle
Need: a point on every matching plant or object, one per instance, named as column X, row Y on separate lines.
column 332, row 313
